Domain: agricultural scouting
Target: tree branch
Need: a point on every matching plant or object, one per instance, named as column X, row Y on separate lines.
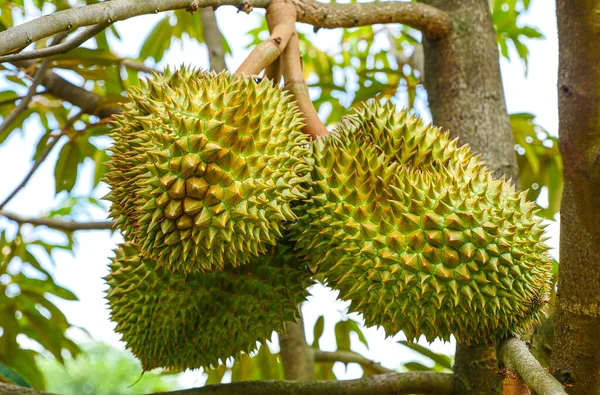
column 515, row 356
column 57, row 49
column 89, row 102
column 213, row 40
column 59, row 224
column 349, row 357
column 24, row 103
column 281, row 19
column 433, row 22
column 430, row 20
column 382, row 384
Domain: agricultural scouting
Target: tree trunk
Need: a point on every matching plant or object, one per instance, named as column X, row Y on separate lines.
column 465, row 96
column 576, row 354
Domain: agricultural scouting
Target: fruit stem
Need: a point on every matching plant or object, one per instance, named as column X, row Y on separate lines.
column 291, row 65
column 281, row 17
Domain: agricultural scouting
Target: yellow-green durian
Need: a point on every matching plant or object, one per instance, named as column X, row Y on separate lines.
column 417, row 233
column 187, row 321
column 204, row 168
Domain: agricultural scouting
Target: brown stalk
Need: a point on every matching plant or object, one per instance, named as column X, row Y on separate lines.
column 291, row 64
column 281, row 15
column 273, row 72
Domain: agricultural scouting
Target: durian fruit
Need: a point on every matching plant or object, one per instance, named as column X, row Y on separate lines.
column 186, row 321
column 204, row 168
column 418, row 235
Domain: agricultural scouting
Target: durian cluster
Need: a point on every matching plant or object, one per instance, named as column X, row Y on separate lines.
column 204, row 172
column 417, row 234
column 229, row 213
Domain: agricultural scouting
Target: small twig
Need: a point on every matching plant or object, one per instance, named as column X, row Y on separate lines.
column 41, row 159
column 516, row 357
column 213, row 40
column 37, row 80
column 291, row 65
column 138, row 66
column 349, row 357
column 24, row 103
column 281, row 17
column 68, row 226
column 57, row 49
column 14, row 99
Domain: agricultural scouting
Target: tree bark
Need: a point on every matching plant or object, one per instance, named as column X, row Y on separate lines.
column 466, row 97
column 576, row 354
column 213, row 40
column 296, row 357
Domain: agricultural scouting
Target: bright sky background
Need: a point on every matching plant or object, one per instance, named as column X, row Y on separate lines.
column 83, row 272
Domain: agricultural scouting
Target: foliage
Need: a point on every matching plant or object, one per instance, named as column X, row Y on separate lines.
column 101, row 370
column 540, row 163
column 29, row 315
column 505, row 16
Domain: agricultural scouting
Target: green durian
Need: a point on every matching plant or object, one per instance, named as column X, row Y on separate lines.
column 417, row 233
column 186, row 321
column 204, row 168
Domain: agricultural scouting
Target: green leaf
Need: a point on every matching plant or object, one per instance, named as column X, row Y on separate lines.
column 65, row 171
column 8, row 375
column 216, row 375
column 318, row 331
column 26, row 366
column 442, row 360
column 416, row 366
column 342, row 335
column 42, row 286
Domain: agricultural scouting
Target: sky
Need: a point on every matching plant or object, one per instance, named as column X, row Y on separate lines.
column 83, row 272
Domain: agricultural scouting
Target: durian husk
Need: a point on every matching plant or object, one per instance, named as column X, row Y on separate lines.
column 183, row 321
column 205, row 167
column 417, row 233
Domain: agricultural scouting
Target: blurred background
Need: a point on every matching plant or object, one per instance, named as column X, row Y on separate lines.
column 54, row 323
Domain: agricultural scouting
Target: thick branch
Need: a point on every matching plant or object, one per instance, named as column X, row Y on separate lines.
column 349, row 357
column 281, row 18
column 57, row 49
column 382, row 384
column 59, row 224
column 431, row 21
column 213, row 40
column 515, row 356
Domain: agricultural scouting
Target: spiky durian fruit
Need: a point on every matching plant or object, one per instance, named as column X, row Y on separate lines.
column 187, row 321
column 204, row 168
column 417, row 234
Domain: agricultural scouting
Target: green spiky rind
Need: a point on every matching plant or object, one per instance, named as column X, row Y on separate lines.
column 424, row 241
column 186, row 321
column 205, row 167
